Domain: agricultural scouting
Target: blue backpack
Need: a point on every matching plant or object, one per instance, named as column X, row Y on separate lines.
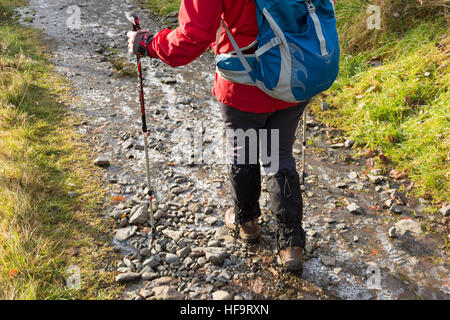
column 298, row 50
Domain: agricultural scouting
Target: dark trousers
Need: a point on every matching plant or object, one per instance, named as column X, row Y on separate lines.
column 285, row 121
column 283, row 182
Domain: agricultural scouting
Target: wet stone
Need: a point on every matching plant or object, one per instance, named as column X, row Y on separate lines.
column 375, row 179
column 125, row 233
column 341, row 226
column 139, row 215
column 408, row 225
column 392, row 232
column 182, row 253
column 388, row 203
column 168, row 80
column 172, row 258
column 127, row 277
column 328, row 261
column 201, row 261
column 216, row 255
column 115, row 214
column 341, row 185
column 153, row 261
column 355, row 209
column 337, row 145
column 127, row 145
column 166, row 293
column 102, row 162
column 353, row 175
column 174, row 235
column 395, row 208
column 445, row 211
column 311, row 233
column 349, row 143
column 221, row 295
column 149, row 275
column 211, row 220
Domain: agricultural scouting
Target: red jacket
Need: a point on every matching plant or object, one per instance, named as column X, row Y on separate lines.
column 199, row 21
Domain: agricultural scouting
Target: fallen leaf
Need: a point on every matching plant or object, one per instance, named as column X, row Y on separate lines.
column 370, row 153
column 268, row 259
column 428, row 196
column 13, row 272
column 273, row 271
column 396, row 174
column 370, row 163
column 188, row 198
column 118, row 199
column 74, row 251
column 146, row 230
column 257, row 286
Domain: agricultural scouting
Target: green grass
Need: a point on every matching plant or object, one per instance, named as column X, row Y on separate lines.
column 163, row 7
column 401, row 107
column 43, row 230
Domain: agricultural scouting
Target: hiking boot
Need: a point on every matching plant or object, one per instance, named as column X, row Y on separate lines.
column 292, row 259
column 248, row 231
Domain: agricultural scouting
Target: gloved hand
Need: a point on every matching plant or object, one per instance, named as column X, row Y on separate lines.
column 138, row 42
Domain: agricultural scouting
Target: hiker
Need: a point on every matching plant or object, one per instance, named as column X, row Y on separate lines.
column 244, row 107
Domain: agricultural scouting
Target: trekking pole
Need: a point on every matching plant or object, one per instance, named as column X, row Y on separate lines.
column 303, row 150
column 136, row 27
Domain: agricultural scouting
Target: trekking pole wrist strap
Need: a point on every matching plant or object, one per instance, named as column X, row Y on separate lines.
column 141, row 43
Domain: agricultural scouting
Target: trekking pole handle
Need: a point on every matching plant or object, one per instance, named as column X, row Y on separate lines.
column 133, row 18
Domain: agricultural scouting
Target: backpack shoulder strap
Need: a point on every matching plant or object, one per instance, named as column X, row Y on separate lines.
column 236, row 48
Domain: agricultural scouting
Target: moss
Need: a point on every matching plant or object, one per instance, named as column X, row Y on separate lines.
column 120, row 63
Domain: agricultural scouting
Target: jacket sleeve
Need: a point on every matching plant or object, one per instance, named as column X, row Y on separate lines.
column 199, row 21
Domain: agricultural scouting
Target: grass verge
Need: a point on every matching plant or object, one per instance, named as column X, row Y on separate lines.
column 401, row 106
column 162, row 7
column 51, row 225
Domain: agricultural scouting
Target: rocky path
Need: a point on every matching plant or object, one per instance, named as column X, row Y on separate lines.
column 365, row 239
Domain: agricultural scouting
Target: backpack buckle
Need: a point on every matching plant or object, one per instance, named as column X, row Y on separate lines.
column 275, row 41
column 310, row 5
